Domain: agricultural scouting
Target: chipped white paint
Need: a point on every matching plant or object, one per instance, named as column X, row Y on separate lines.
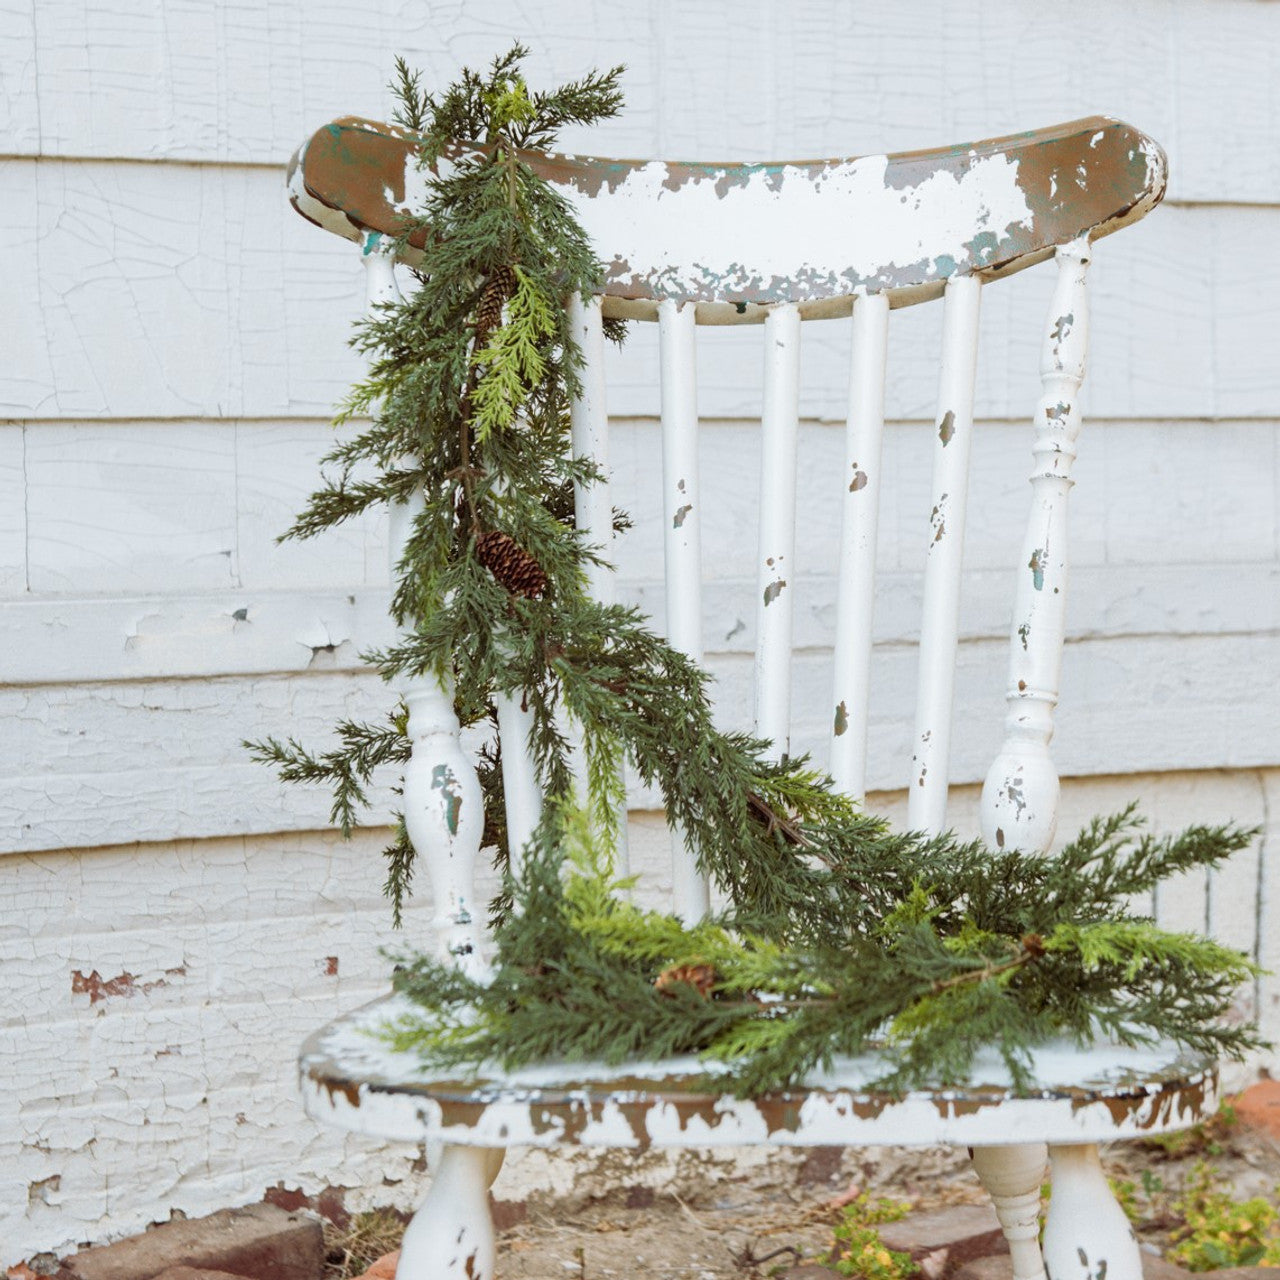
column 1086, row 1236
column 753, row 225
column 521, row 790
column 1012, row 1176
column 442, row 803
column 682, row 541
column 593, row 508
column 860, row 483
column 592, row 504
column 776, row 568
column 451, row 1237
column 1020, row 798
column 939, row 626
column 351, row 1077
column 157, row 311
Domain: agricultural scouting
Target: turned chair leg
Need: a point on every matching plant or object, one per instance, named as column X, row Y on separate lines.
column 451, row 1236
column 1012, row 1176
column 1087, row 1236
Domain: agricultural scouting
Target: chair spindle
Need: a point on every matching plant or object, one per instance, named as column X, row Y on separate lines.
column 860, row 507
column 682, row 539
column 939, row 631
column 1020, row 796
column 592, row 505
column 776, row 567
column 443, row 806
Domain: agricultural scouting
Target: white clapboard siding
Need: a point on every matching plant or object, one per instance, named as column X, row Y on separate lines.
column 211, row 299
column 245, row 83
column 182, row 506
column 102, row 764
column 1268, row 909
column 175, row 339
column 57, row 641
column 13, row 511
column 171, row 507
column 185, row 1038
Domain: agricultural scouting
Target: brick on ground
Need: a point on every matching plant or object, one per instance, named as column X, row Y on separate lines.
column 1259, row 1108
column 944, row 1239
column 1001, row 1268
column 383, row 1269
column 259, row 1242
column 195, row 1273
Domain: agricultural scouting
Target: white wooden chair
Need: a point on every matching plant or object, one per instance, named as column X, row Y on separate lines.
column 780, row 246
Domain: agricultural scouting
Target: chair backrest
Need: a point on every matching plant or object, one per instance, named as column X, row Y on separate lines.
column 778, row 245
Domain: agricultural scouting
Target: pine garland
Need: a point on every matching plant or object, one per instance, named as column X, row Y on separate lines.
column 936, row 946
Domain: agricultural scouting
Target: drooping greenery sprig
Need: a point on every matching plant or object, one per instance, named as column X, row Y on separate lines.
column 958, row 952
column 939, row 945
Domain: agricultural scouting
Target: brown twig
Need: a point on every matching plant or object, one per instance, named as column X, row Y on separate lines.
column 774, row 821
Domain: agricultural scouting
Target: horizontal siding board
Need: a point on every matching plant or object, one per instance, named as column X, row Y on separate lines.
column 20, row 87
column 114, row 508
column 13, row 510
column 114, row 763
column 184, row 292
column 157, row 509
column 242, row 83
column 63, row 641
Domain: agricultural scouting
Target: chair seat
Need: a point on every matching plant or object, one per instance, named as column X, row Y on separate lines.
column 352, row 1078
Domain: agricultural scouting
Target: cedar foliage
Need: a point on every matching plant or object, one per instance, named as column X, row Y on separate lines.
column 936, row 946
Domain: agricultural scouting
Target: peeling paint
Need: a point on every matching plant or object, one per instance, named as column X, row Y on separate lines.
column 842, row 719
column 947, row 427
column 773, row 591
column 859, row 480
column 1062, row 326
column 1036, row 565
column 42, row 1191
column 126, row 985
column 1024, row 631
column 1014, row 792
column 677, row 521
column 928, row 216
column 444, row 781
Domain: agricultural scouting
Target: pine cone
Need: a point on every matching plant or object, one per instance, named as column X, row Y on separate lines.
column 702, row 977
column 497, row 289
column 511, row 564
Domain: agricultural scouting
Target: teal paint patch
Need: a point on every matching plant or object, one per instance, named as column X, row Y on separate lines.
column 983, row 246
column 1036, row 565
column 444, row 781
column 945, row 265
column 371, row 242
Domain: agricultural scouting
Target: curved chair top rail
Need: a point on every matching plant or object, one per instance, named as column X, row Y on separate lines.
column 737, row 239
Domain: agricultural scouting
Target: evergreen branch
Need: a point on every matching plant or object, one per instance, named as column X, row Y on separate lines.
column 927, row 946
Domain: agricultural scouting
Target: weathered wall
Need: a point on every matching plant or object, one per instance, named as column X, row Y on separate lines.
column 174, row 338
